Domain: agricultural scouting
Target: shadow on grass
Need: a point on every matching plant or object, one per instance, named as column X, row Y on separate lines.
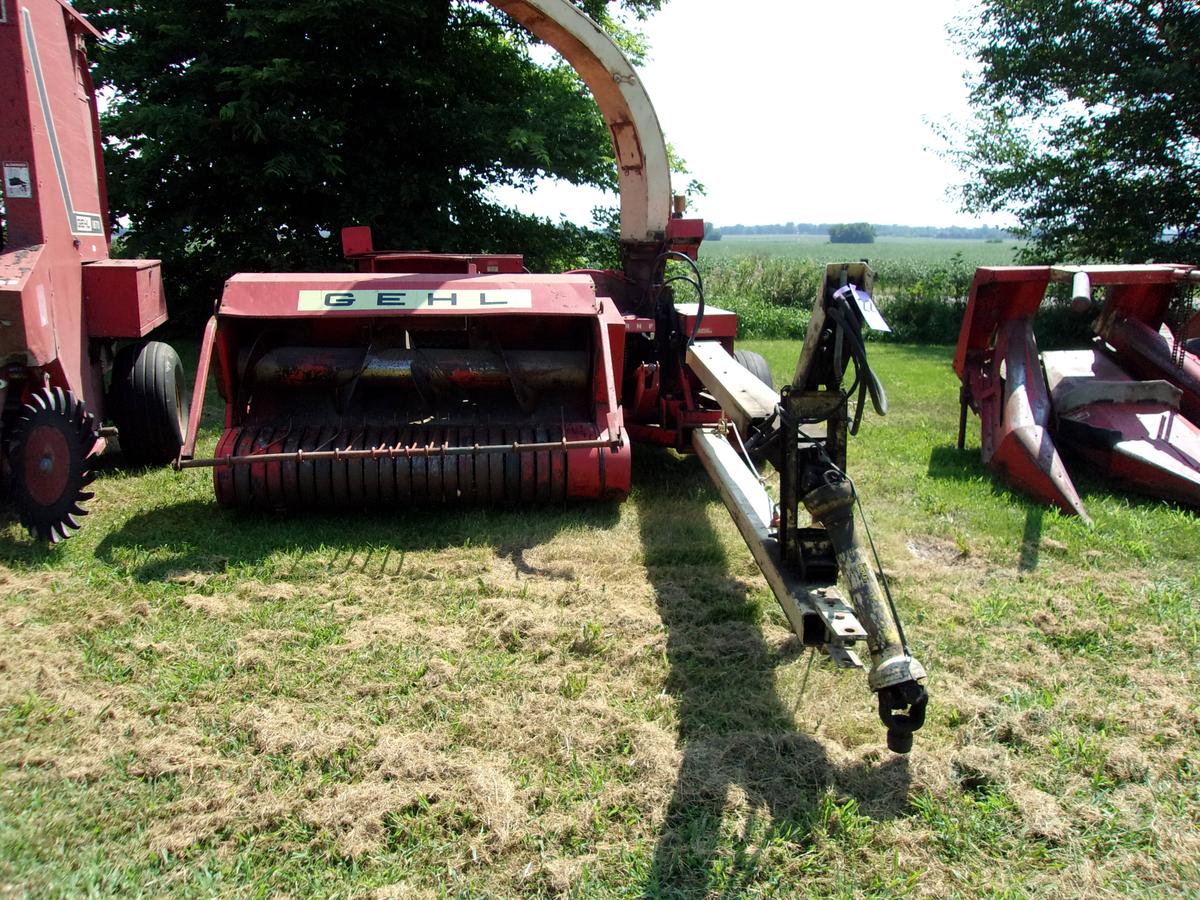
column 738, row 737
column 1100, row 496
column 26, row 551
column 35, row 552
column 110, row 463
column 1031, row 538
column 199, row 536
column 950, row 463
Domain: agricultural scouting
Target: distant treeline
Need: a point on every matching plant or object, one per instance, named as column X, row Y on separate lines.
column 922, row 300
column 954, row 232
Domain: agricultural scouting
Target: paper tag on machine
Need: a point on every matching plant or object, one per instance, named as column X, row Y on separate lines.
column 866, row 305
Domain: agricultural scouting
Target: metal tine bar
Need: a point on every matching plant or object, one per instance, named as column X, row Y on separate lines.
column 393, row 452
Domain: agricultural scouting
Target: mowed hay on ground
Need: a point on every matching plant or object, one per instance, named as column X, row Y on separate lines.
column 600, row 701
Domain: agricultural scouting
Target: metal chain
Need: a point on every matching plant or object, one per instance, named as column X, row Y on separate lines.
column 1179, row 313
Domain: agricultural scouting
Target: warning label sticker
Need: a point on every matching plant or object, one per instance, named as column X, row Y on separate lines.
column 17, row 183
column 383, row 300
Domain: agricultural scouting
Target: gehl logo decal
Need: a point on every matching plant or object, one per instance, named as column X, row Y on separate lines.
column 379, row 301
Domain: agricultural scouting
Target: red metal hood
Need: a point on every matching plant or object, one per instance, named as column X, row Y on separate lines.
column 373, row 294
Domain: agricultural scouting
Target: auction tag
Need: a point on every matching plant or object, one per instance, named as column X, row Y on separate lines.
column 866, row 305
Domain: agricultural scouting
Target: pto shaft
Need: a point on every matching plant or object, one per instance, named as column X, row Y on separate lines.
column 895, row 674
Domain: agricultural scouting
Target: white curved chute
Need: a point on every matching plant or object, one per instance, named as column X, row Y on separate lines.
column 641, row 152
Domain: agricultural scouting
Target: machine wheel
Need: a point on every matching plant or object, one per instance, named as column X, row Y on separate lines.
column 757, row 366
column 50, row 454
column 147, row 402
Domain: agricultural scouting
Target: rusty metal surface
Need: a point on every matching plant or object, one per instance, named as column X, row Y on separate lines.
column 423, row 451
column 1148, row 354
column 463, row 368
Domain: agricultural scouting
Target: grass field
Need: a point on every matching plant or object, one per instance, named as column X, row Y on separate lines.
column 921, row 284
column 883, row 250
column 599, row 701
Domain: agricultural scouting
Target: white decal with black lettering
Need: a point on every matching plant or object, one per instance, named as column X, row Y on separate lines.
column 384, row 300
column 17, row 183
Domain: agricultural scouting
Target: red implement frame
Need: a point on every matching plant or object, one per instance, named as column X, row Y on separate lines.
column 63, row 302
column 58, row 289
column 999, row 365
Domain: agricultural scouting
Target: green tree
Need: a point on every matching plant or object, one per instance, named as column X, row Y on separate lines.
column 852, row 233
column 242, row 136
column 1087, row 126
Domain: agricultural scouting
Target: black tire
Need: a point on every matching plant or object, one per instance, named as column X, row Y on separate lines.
column 756, row 365
column 147, row 403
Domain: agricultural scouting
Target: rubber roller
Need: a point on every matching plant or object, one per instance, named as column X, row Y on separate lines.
column 415, row 465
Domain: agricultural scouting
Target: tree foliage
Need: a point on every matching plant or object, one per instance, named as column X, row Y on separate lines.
column 243, row 135
column 852, row 233
column 1087, row 126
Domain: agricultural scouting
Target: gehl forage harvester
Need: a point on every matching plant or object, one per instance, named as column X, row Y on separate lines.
column 452, row 379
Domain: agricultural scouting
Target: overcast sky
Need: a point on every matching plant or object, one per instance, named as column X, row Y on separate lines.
column 799, row 111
